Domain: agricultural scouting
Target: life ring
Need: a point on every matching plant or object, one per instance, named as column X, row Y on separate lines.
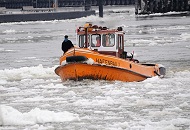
column 76, row 58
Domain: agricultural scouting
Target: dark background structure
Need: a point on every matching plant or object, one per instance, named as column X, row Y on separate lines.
column 161, row 6
column 14, row 4
column 141, row 6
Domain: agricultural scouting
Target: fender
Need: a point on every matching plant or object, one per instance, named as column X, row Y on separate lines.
column 76, row 59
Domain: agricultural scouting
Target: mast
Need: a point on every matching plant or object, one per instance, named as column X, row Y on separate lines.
column 86, row 37
column 87, row 27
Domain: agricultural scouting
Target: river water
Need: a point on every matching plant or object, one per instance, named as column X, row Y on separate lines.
column 33, row 97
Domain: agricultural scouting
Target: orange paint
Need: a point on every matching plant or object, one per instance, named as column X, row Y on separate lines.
column 105, row 67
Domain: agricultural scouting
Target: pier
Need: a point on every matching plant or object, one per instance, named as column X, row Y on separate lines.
column 32, row 12
column 15, row 4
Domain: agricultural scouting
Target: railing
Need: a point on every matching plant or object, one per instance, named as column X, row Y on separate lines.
column 32, row 9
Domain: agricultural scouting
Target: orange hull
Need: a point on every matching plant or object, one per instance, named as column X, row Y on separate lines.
column 104, row 67
column 79, row 71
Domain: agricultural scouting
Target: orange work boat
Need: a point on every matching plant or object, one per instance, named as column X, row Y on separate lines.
column 100, row 55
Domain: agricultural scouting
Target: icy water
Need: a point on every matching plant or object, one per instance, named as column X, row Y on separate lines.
column 32, row 96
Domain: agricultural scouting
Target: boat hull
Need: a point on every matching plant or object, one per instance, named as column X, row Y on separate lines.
column 79, row 71
column 75, row 65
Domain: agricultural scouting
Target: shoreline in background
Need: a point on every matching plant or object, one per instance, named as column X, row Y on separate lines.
column 17, row 15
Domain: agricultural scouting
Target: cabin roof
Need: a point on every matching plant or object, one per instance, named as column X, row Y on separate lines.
column 94, row 29
column 100, row 32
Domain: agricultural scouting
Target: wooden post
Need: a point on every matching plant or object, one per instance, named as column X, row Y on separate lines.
column 100, row 4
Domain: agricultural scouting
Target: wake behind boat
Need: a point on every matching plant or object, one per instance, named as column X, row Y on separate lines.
column 100, row 55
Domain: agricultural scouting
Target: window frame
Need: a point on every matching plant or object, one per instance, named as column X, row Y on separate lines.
column 81, row 43
column 104, row 42
column 93, row 38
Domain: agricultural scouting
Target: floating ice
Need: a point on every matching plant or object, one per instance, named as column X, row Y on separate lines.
column 9, row 31
column 144, row 103
column 185, row 104
column 95, row 102
column 27, row 73
column 185, row 36
column 11, row 116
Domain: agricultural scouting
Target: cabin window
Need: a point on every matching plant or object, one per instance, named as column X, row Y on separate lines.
column 82, row 40
column 108, row 40
column 95, row 40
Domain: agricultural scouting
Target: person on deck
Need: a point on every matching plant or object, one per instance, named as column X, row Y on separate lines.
column 66, row 44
